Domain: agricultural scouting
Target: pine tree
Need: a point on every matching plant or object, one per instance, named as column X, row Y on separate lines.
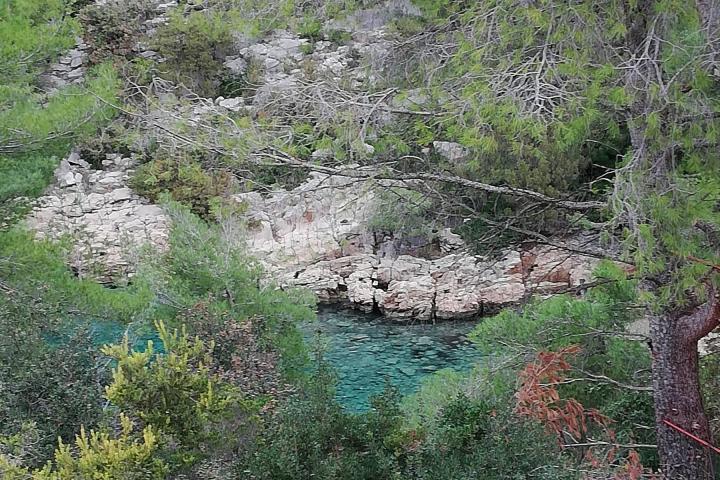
column 546, row 78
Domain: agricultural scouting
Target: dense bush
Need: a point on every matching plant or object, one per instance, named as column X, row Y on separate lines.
column 98, row 455
column 113, row 28
column 34, row 130
column 609, row 357
column 310, row 436
column 50, row 370
column 195, row 47
column 185, row 180
column 56, row 387
column 175, row 393
column 31, row 34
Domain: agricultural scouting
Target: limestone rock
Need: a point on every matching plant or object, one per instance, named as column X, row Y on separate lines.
column 315, row 236
column 451, row 151
column 233, row 104
column 107, row 222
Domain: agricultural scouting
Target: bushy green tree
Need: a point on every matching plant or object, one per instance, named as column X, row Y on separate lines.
column 99, row 456
column 185, row 180
column 541, row 86
column 195, row 46
column 31, row 34
column 175, row 393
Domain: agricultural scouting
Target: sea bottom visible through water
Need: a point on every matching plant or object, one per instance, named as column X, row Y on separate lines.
column 367, row 350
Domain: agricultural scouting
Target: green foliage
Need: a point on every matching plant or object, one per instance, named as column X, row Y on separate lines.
column 438, row 10
column 50, row 372
column 174, row 391
column 211, row 261
column 195, row 46
column 39, row 268
column 34, row 130
column 340, row 37
column 26, row 125
column 54, row 386
column 23, row 176
column 310, row 27
column 31, row 34
column 597, row 323
column 311, row 437
column 113, row 28
column 402, row 212
column 99, row 456
column 465, row 438
column 184, row 179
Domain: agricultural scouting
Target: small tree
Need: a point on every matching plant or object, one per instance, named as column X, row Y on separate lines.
column 99, row 455
column 175, row 393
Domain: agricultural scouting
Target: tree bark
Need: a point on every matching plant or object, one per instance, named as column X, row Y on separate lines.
column 676, row 390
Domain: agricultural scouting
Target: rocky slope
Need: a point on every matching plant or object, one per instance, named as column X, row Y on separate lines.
column 107, row 222
column 316, row 235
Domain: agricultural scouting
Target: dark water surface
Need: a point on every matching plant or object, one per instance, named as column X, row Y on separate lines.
column 366, row 349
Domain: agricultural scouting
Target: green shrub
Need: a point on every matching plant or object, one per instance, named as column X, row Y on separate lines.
column 311, row 437
column 113, row 28
column 195, row 47
column 34, row 130
column 185, row 180
column 175, row 393
column 99, row 455
column 310, row 27
column 38, row 269
column 340, row 37
column 438, row 10
column 596, row 323
column 50, row 370
column 34, row 136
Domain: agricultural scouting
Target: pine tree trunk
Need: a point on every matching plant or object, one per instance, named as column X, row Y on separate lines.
column 678, row 399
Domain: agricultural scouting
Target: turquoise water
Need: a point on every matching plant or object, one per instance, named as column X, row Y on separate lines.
column 365, row 350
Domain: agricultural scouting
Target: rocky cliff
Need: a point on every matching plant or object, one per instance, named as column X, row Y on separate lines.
column 315, row 236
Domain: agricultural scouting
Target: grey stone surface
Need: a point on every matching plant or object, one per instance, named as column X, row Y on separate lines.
column 316, row 236
column 106, row 221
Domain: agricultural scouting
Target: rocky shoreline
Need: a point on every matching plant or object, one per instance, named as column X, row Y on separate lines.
column 316, row 237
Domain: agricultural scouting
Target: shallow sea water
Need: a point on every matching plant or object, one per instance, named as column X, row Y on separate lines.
column 366, row 350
